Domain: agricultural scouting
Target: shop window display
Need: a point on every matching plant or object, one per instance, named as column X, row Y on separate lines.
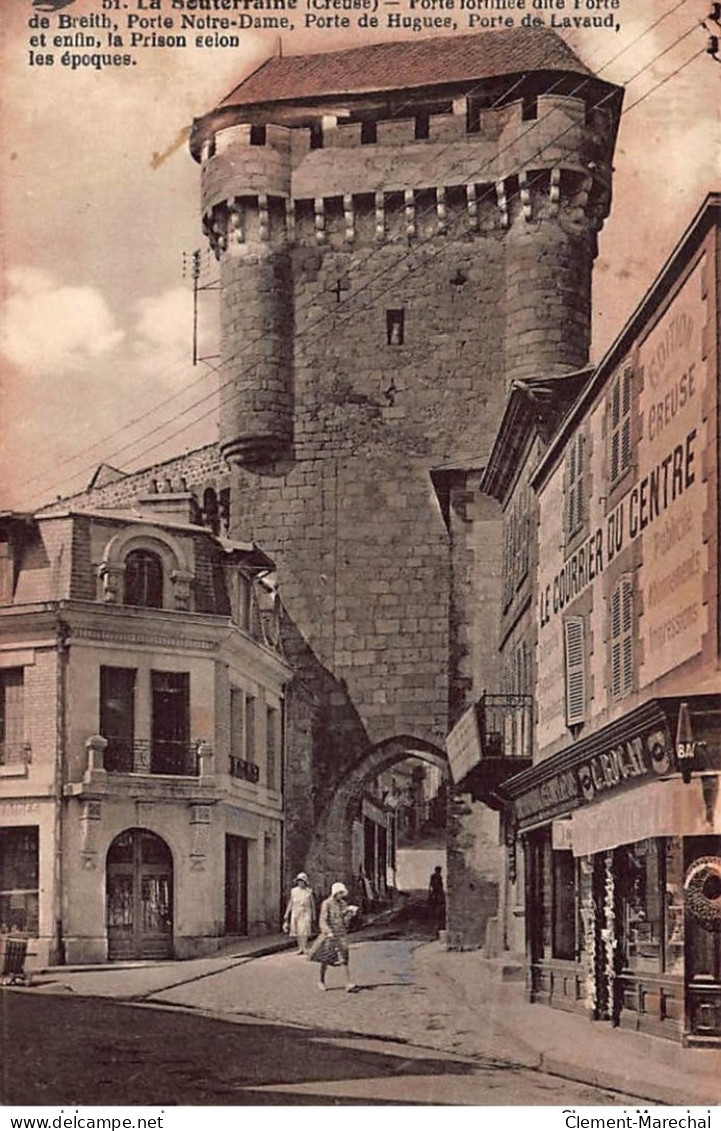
column 556, row 924
column 640, row 889
column 564, row 905
column 674, row 911
column 19, row 881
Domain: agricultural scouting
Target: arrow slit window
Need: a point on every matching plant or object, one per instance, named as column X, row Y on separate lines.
column 622, row 638
column 395, row 327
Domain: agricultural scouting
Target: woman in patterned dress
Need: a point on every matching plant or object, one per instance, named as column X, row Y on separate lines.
column 300, row 912
column 331, row 946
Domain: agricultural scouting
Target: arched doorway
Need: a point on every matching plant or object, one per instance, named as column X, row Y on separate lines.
column 331, row 854
column 139, row 897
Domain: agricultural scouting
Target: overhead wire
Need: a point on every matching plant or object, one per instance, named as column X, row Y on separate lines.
column 361, row 263
column 395, row 266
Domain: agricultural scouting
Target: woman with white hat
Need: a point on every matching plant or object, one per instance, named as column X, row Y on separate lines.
column 331, row 946
column 300, row 912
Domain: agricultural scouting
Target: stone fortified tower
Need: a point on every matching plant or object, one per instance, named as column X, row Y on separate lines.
column 402, row 230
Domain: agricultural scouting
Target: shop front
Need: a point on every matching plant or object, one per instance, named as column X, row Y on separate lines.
column 623, row 872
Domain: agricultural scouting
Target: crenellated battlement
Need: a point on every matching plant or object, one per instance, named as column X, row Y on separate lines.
column 513, row 171
column 270, row 184
column 404, row 153
column 246, row 224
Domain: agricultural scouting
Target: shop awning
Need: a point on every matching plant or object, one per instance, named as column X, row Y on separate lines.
column 670, row 808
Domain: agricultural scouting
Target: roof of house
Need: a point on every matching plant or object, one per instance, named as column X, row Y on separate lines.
column 536, row 404
column 405, row 64
column 104, row 475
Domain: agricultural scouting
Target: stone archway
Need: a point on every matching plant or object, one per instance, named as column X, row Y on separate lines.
column 331, row 852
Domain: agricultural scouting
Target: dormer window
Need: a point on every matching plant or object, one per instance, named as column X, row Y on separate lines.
column 144, row 579
column 147, row 568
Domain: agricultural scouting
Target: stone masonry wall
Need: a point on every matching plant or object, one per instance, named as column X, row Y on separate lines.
column 425, row 272
column 402, row 352
column 200, row 468
column 353, row 521
column 475, row 866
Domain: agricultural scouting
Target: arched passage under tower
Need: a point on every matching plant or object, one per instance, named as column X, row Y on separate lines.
column 340, row 846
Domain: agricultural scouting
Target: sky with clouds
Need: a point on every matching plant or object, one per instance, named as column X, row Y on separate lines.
column 99, row 203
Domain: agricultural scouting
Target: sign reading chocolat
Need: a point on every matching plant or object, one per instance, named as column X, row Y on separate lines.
column 627, row 763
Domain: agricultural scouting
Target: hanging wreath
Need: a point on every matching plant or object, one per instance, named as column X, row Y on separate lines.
column 702, row 890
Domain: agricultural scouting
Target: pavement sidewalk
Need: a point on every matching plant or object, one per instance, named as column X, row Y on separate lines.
column 570, row 1045
column 493, row 1019
column 127, row 981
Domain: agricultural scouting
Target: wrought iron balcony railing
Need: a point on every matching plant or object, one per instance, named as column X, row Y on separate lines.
column 505, row 725
column 167, row 756
column 119, row 756
column 491, row 738
column 246, row 771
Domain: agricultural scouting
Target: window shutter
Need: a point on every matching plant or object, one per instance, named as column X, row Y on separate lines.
column 271, row 746
column 575, row 670
column 627, row 631
column 616, row 643
column 620, row 431
column 615, row 405
column 574, row 486
column 626, row 396
column 250, row 728
column 622, row 639
column 627, row 606
column 237, row 714
column 616, row 614
column 579, row 481
column 615, row 446
column 627, row 665
column 616, row 670
column 568, row 517
column 625, row 444
column 507, row 562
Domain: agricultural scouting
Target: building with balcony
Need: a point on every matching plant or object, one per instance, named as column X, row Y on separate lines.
column 141, row 733
column 617, row 819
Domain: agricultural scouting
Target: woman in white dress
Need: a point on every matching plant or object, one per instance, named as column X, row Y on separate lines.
column 300, row 912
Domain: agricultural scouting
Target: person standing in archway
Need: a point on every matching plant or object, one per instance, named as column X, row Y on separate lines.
column 437, row 897
column 300, row 912
column 331, row 947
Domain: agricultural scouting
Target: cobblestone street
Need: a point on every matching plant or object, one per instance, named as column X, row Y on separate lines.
column 259, row 1031
column 401, row 993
